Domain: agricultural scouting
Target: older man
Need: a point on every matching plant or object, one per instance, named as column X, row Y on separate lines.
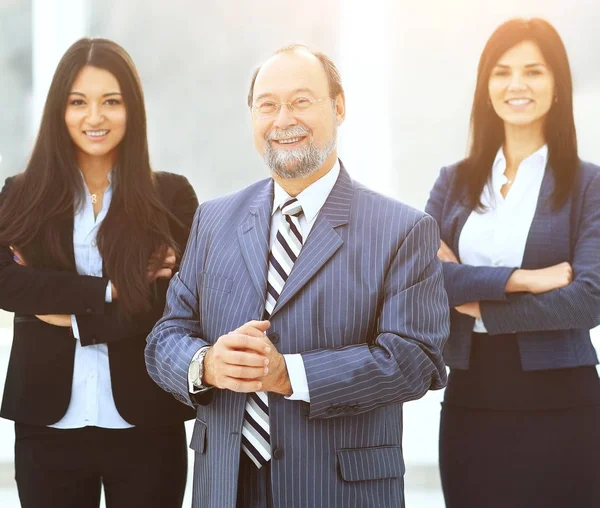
column 308, row 308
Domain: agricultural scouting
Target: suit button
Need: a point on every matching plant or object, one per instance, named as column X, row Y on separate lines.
column 339, row 410
column 277, row 453
column 89, row 310
column 273, row 337
column 331, row 410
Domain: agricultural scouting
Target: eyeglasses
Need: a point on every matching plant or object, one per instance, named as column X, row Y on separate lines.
column 300, row 105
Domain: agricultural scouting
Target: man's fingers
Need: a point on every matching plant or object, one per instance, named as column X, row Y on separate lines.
column 244, row 373
column 240, row 385
column 242, row 358
column 248, row 330
column 245, row 342
column 254, row 328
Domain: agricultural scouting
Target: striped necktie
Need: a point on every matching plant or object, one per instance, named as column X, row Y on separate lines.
column 284, row 252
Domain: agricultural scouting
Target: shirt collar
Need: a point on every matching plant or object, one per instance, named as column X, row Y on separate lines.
column 536, row 162
column 313, row 197
column 107, row 193
column 108, row 190
column 537, row 159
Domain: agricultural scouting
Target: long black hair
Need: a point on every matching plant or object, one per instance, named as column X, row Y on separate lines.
column 487, row 128
column 43, row 198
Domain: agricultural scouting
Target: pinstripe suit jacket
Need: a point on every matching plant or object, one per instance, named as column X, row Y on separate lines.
column 553, row 328
column 364, row 305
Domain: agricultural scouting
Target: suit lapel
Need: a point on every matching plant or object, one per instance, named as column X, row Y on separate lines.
column 323, row 240
column 542, row 248
column 459, row 213
column 253, row 237
column 67, row 239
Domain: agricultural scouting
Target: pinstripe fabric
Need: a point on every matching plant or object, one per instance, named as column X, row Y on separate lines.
column 255, row 485
column 365, row 307
column 553, row 327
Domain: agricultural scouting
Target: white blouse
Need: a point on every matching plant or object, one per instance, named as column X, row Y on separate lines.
column 498, row 235
column 92, row 402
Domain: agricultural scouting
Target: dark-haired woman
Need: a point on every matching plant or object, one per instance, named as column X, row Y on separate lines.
column 520, row 224
column 89, row 236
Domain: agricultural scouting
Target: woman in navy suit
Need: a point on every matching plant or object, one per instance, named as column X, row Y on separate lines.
column 89, row 236
column 520, row 228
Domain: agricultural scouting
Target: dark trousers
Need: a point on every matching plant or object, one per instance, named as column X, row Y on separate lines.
column 139, row 467
column 254, row 485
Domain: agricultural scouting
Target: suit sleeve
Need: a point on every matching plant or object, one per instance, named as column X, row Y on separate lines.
column 405, row 359
column 110, row 326
column 175, row 339
column 27, row 290
column 574, row 306
column 465, row 283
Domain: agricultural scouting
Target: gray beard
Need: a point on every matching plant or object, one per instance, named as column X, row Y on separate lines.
column 301, row 162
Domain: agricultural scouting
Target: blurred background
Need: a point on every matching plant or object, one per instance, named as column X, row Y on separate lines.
column 408, row 68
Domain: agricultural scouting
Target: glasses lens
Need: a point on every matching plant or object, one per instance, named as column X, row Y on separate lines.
column 267, row 108
column 302, row 103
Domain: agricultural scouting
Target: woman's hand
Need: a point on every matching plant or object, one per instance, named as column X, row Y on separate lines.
column 541, row 280
column 156, row 269
column 18, row 257
column 470, row 309
column 445, row 253
column 56, row 319
column 161, row 268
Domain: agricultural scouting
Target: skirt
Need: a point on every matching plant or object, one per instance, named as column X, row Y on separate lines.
column 512, row 439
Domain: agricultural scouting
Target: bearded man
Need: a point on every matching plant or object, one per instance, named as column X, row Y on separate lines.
column 307, row 310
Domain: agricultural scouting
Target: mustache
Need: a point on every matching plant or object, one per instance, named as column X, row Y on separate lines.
column 292, row 132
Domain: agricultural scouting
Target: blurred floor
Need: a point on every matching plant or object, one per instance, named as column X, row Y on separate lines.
column 414, row 499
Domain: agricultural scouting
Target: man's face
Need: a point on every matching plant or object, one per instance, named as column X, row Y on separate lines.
column 295, row 143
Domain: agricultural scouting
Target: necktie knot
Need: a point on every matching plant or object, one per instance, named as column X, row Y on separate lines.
column 292, row 207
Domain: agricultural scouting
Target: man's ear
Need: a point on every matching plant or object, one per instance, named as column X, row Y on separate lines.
column 340, row 109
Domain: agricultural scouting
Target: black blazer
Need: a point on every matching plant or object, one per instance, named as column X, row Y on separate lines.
column 40, row 370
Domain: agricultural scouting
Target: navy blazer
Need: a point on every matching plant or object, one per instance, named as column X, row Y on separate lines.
column 553, row 328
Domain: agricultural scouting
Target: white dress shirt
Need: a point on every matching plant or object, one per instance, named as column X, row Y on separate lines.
column 498, row 235
column 312, row 200
column 92, row 402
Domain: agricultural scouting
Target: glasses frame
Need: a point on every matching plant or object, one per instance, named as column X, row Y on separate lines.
column 290, row 107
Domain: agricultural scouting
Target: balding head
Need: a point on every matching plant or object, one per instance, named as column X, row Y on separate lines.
column 332, row 73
